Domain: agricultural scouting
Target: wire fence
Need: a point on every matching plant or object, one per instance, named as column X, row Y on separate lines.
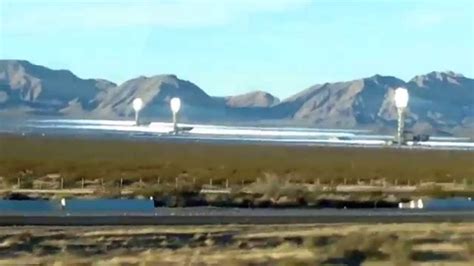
column 57, row 182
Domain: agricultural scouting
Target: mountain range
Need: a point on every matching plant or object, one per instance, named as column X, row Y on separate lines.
column 440, row 102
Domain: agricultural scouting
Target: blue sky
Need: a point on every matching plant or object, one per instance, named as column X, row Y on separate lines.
column 235, row 46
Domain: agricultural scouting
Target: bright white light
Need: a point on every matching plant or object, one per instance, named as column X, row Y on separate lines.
column 175, row 105
column 137, row 104
column 401, row 98
column 420, row 204
column 63, row 202
column 257, row 132
column 452, row 144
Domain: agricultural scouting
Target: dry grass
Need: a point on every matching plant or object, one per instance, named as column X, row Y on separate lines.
column 257, row 175
column 111, row 160
column 350, row 244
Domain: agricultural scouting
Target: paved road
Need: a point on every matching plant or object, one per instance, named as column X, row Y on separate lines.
column 202, row 216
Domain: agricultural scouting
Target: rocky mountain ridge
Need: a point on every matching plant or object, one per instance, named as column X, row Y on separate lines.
column 439, row 101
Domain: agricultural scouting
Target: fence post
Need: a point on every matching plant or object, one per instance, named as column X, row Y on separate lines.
column 62, row 183
column 226, row 183
column 82, row 183
column 18, row 182
column 121, row 182
column 176, row 182
column 210, row 181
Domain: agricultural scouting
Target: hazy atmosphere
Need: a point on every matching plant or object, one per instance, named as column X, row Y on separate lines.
column 236, row 132
column 235, row 46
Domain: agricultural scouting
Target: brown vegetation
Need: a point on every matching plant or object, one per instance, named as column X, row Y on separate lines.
column 317, row 244
column 112, row 160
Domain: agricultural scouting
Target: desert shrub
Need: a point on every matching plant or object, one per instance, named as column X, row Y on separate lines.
column 400, row 254
column 469, row 249
column 108, row 192
column 22, row 240
column 294, row 262
column 112, row 159
column 272, row 186
column 356, row 247
column 437, row 191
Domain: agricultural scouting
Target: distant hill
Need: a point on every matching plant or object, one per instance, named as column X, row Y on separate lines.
column 250, row 99
column 35, row 89
column 441, row 102
column 442, row 99
column 341, row 104
column 156, row 93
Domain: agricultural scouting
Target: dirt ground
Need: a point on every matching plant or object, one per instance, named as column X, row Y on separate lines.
column 317, row 244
